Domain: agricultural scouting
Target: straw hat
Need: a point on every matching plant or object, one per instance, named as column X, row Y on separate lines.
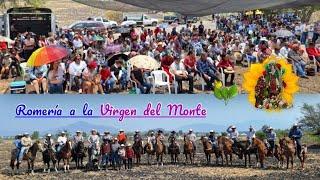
column 229, row 70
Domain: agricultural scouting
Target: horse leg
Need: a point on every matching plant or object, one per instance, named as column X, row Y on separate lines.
column 245, row 161
column 68, row 164
column 227, row 160
column 64, row 165
column 231, row 159
column 291, row 162
column 161, row 160
column 287, row 162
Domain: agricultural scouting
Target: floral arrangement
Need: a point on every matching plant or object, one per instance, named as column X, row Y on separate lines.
column 271, row 85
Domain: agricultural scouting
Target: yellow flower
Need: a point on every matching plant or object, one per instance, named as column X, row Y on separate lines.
column 288, row 78
column 218, row 84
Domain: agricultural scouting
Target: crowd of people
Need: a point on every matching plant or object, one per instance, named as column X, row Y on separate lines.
column 117, row 149
column 185, row 53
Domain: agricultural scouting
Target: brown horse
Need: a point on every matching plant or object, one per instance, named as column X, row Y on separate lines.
column 65, row 154
column 188, row 150
column 261, row 148
column 278, row 154
column 207, row 148
column 303, row 155
column 174, row 151
column 138, row 151
column 30, row 157
column 225, row 144
column 149, row 151
column 159, row 151
column 288, row 147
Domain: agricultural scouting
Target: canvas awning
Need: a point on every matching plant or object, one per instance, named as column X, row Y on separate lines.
column 204, row 7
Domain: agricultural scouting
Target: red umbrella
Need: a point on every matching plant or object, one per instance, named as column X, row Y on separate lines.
column 46, row 55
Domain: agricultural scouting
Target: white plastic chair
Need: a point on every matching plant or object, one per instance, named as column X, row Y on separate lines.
column 158, row 80
column 223, row 75
column 314, row 61
column 25, row 71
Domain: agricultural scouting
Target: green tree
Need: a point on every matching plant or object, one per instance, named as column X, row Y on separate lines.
column 311, row 117
column 35, row 135
column 261, row 135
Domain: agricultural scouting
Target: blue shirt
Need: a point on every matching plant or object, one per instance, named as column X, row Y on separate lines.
column 38, row 72
column 271, row 136
column 295, row 133
column 204, row 67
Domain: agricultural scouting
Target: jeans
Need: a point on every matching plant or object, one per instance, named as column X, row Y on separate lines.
column 304, row 37
column 145, row 85
column 56, row 88
column 212, row 76
column 114, row 158
column 315, row 37
column 300, row 67
column 298, row 143
column 105, row 159
column 251, row 58
column 108, row 84
column 22, row 152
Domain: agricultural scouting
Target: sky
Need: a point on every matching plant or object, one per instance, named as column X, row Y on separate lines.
column 238, row 111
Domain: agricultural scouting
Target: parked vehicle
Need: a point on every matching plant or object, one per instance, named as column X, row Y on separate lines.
column 90, row 25
column 171, row 17
column 139, row 19
column 107, row 23
column 40, row 21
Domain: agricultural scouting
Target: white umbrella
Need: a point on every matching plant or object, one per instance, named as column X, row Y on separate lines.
column 143, row 61
column 283, row 33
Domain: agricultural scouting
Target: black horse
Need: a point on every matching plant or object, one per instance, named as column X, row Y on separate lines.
column 78, row 153
column 47, row 156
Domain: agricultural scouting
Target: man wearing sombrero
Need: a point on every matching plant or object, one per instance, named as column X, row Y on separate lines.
column 271, row 138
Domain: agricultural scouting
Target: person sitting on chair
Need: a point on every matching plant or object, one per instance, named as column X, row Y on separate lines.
column 75, row 70
column 38, row 77
column 227, row 68
column 179, row 72
column 137, row 77
column 207, row 70
column 118, row 74
column 56, row 78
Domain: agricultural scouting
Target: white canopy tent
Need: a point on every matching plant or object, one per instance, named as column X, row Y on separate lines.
column 204, row 7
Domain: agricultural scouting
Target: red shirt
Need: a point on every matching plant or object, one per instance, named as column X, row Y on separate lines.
column 105, row 73
column 190, row 61
column 313, row 52
column 105, row 148
column 129, row 153
column 225, row 64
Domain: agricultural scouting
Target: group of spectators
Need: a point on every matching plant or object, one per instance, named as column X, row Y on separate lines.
column 186, row 54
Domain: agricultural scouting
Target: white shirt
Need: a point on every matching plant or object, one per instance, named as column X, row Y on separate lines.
column 284, row 51
column 251, row 134
column 177, row 68
column 62, row 140
column 76, row 69
column 77, row 43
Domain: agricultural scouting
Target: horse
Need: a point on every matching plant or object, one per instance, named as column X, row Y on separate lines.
column 159, row 151
column 65, row 155
column 79, row 153
column 30, row 157
column 278, row 154
column 225, row 144
column 93, row 153
column 288, row 147
column 47, row 156
column 188, row 150
column 303, row 155
column 138, row 151
column 207, row 148
column 149, row 151
column 261, row 148
column 174, row 151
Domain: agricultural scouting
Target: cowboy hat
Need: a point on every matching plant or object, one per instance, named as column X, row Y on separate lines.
column 129, row 145
column 173, row 131
column 93, row 130
column 211, row 131
column 116, row 139
column 121, row 130
column 152, row 132
column 106, row 132
column 78, row 131
column 137, row 131
column 49, row 135
column 62, row 132
column 233, row 127
column 159, row 131
column 190, row 130
column 122, row 145
column 270, row 128
column 295, row 125
column 229, row 70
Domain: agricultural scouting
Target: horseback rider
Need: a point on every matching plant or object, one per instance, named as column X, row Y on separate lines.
column 94, row 141
column 26, row 143
column 271, row 139
column 172, row 139
column 152, row 140
column 250, row 135
column 122, row 137
column 48, row 142
column 296, row 134
column 107, row 137
column 161, row 137
column 213, row 139
column 17, row 144
column 192, row 137
column 62, row 140
column 137, row 137
column 233, row 135
column 77, row 138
